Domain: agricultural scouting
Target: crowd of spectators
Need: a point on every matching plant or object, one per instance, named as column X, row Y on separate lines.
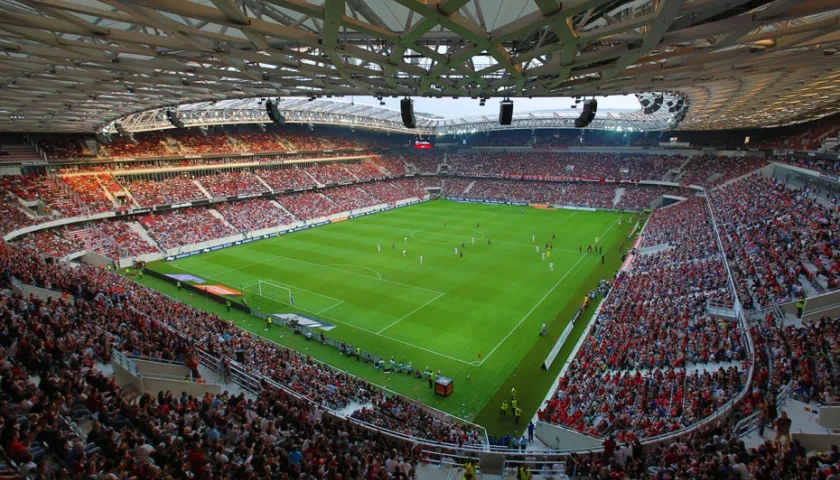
column 149, row 144
column 258, row 142
column 89, row 191
column 413, row 187
column 329, row 173
column 63, row 147
column 225, row 183
column 113, row 239
column 805, row 137
column 776, row 238
column 710, row 170
column 195, row 142
column 393, row 164
column 309, row 205
column 686, row 227
column 56, row 194
column 822, row 165
column 386, row 191
column 585, row 194
column 423, row 162
column 365, row 169
column 110, row 183
column 631, row 376
column 629, row 380
column 351, row 198
column 286, row 178
column 587, row 165
column 48, row 244
column 637, row 197
column 11, row 215
column 404, row 416
column 176, row 189
column 185, row 226
column 254, row 214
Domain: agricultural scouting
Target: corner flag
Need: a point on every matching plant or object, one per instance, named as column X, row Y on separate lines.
column 291, row 299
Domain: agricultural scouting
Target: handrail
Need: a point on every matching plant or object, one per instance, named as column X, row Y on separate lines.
column 127, row 362
column 204, row 356
column 739, row 310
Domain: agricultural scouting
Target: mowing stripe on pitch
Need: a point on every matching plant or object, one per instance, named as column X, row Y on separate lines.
column 358, row 327
column 541, row 300
column 327, row 267
column 410, row 313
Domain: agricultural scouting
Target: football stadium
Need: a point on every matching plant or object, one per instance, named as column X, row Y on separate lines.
column 419, row 239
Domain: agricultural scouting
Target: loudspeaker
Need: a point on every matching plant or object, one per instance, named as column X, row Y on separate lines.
column 273, row 113
column 172, row 116
column 407, row 111
column 653, row 107
column 505, row 112
column 588, row 114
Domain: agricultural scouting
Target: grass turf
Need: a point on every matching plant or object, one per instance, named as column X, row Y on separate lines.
column 476, row 315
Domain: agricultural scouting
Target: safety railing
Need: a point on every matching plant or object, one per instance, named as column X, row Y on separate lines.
column 746, row 425
column 125, row 362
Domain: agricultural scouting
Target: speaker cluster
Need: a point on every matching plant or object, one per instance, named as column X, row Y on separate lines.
column 590, row 107
column 273, row 113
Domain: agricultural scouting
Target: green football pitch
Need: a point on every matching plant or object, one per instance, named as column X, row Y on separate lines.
column 475, row 316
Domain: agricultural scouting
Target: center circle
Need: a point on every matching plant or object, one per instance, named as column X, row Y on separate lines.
column 446, row 235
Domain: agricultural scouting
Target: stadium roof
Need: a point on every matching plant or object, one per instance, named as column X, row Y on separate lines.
column 344, row 112
column 75, row 65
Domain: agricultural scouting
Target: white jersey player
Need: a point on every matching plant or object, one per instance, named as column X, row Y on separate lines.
column 550, row 266
column 421, row 259
column 538, row 249
column 473, row 240
column 533, row 238
column 379, row 248
column 405, row 240
column 542, row 255
column 404, row 252
column 456, row 250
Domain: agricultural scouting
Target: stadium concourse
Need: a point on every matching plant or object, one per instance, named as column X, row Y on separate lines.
column 657, row 359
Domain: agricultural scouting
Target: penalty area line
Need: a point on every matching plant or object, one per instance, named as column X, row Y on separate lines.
column 410, row 314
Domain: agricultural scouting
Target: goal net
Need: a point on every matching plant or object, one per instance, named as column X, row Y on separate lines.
column 276, row 295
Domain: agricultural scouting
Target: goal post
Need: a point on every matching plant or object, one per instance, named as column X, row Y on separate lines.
column 278, row 295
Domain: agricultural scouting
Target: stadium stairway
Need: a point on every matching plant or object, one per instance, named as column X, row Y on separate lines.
column 109, row 195
column 144, row 234
column 469, row 187
column 260, row 179
column 319, row 184
column 660, row 247
column 221, row 217
column 281, row 207
column 813, row 286
column 619, row 192
column 382, row 169
column 201, row 187
column 348, row 171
